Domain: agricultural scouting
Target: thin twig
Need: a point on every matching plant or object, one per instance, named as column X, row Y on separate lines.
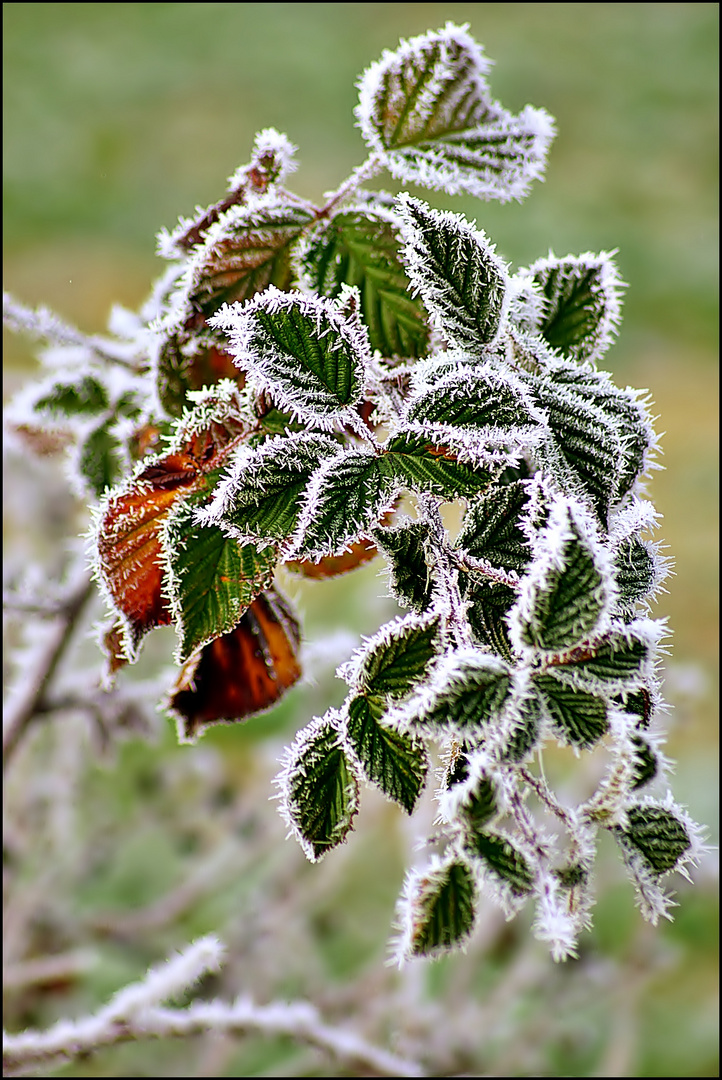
column 28, row 700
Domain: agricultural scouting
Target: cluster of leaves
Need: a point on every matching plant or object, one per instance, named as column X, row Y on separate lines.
column 303, row 379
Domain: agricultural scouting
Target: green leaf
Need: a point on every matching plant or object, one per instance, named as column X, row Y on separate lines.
column 469, row 689
column 427, row 111
column 346, row 499
column 480, row 806
column 395, row 762
column 604, row 434
column 492, row 527
column 489, row 603
column 320, row 791
column 360, row 247
column 410, row 578
column 81, row 397
column 307, row 354
column 485, row 402
column 454, row 270
column 263, row 495
column 562, row 605
column 579, row 718
column 637, row 703
column 504, row 860
column 422, row 467
column 646, row 763
column 526, row 730
column 398, row 657
column 212, row 577
column 617, row 660
column 441, row 908
column 99, row 459
column 657, row 835
column 636, row 570
column 581, row 303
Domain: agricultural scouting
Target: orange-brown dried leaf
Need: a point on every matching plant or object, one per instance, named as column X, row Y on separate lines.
column 243, row 672
column 333, row 565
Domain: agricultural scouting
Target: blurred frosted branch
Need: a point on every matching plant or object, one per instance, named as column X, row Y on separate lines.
column 26, row 699
column 134, row 1013
column 44, row 325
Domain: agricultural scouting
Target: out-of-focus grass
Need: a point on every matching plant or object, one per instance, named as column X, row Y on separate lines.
column 120, row 117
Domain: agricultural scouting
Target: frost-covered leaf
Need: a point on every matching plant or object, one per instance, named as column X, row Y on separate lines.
column 425, row 109
column 128, row 542
column 492, row 527
column 565, row 598
column 398, row 657
column 578, row 717
column 241, row 673
column 360, row 246
column 212, row 578
column 483, row 414
column 489, row 603
column 421, row 466
column 319, row 789
column 604, row 434
column 468, row 690
column 453, row 268
column 581, row 303
column 439, row 908
column 621, row 659
column 646, row 764
column 244, row 252
column 410, row 578
column 503, row 859
column 526, row 729
column 657, row 834
column 638, row 570
column 397, row 763
column 638, row 703
column 261, row 498
column 347, row 496
column 305, row 351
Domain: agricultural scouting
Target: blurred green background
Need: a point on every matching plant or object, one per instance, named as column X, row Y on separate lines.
column 120, row 117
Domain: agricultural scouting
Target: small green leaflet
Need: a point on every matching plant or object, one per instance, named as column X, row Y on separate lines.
column 501, row 857
column 581, row 309
column 395, row 762
column 482, row 413
column 212, row 578
column 489, row 603
column 261, row 499
column 637, row 570
column 398, row 658
column 469, row 688
column 421, row 467
column 562, row 603
column 308, row 353
column 657, row 835
column 619, row 660
column 646, row 762
column 492, row 527
column 454, row 270
column 441, row 908
column 319, row 789
column 425, row 109
column 360, row 247
column 410, row 578
column 345, row 499
column 578, row 717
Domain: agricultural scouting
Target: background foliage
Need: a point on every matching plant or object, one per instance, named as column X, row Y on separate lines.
column 120, row 117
